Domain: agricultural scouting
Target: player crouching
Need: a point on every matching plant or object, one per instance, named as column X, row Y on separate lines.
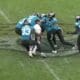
column 26, row 39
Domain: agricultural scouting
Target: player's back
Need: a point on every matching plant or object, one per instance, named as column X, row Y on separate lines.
column 26, row 32
column 32, row 19
column 20, row 23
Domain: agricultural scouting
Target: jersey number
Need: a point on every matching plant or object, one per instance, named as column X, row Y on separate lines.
column 26, row 32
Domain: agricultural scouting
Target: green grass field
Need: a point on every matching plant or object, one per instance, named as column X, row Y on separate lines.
column 16, row 65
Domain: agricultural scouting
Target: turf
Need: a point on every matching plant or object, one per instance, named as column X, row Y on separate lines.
column 16, row 65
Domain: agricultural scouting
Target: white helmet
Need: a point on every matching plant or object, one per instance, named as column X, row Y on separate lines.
column 51, row 14
column 42, row 15
column 77, row 17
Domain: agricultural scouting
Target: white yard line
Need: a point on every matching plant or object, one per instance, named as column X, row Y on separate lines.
column 22, row 66
column 66, row 60
column 5, row 16
column 50, row 70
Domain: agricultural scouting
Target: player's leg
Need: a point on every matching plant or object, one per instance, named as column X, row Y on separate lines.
column 38, row 35
column 38, row 38
column 26, row 44
column 50, row 42
column 34, row 44
column 30, row 50
column 54, row 39
column 61, row 37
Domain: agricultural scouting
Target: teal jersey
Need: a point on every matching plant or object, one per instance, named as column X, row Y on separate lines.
column 32, row 19
column 21, row 23
column 44, row 19
column 43, row 24
column 48, row 26
column 77, row 24
column 26, row 33
column 54, row 22
column 51, row 24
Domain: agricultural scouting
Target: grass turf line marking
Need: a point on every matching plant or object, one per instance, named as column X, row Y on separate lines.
column 4, row 15
column 50, row 70
column 66, row 61
column 22, row 66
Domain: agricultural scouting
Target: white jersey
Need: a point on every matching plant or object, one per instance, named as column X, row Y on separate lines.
column 37, row 29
